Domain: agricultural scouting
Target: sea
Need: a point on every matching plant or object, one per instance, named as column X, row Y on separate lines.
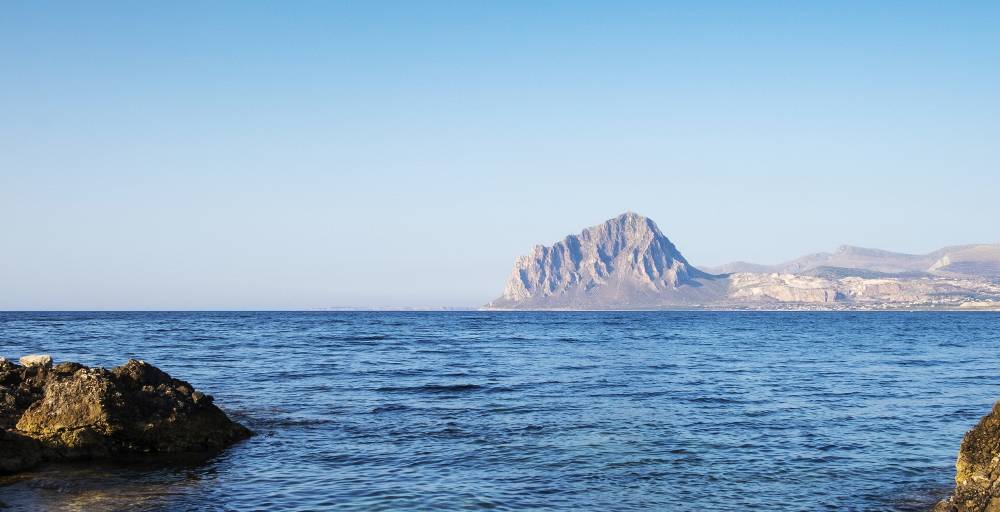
column 589, row 411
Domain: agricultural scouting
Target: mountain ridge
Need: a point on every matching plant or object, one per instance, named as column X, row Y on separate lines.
column 626, row 259
column 958, row 257
column 627, row 263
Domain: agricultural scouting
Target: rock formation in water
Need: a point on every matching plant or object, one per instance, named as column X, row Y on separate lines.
column 625, row 262
column 69, row 411
column 977, row 471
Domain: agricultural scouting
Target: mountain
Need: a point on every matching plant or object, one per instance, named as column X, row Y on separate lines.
column 958, row 261
column 628, row 263
column 970, row 260
column 848, row 256
column 624, row 263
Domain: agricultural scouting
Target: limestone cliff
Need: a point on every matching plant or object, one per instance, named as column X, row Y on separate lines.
column 626, row 262
column 756, row 287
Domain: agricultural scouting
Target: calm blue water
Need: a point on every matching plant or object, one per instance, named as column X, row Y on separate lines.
column 582, row 411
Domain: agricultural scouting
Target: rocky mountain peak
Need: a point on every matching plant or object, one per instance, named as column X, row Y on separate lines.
column 627, row 256
column 634, row 221
column 628, row 225
column 627, row 263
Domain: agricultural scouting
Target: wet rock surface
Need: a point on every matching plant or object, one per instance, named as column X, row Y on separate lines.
column 977, row 471
column 70, row 412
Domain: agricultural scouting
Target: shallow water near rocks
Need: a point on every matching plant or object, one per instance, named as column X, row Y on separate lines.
column 585, row 411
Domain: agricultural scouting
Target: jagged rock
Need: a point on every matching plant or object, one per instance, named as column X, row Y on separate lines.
column 36, row 360
column 624, row 262
column 977, row 471
column 20, row 386
column 70, row 411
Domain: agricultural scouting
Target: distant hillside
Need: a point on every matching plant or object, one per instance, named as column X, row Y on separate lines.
column 628, row 263
column 740, row 266
column 971, row 260
column 966, row 260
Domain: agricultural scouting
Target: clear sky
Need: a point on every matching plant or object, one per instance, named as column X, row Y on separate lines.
column 234, row 155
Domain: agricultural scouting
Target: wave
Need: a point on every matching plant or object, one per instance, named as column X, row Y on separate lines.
column 432, row 388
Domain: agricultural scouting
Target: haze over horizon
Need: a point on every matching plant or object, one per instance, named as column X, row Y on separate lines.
column 260, row 156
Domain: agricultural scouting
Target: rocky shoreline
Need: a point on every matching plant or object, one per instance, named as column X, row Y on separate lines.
column 68, row 411
column 977, row 470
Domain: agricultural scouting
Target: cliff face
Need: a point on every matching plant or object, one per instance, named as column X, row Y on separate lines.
column 781, row 288
column 792, row 288
column 977, row 471
column 624, row 262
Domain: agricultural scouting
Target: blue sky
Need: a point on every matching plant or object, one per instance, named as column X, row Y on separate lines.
column 243, row 155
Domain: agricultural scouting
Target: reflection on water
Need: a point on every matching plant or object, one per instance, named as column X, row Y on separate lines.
column 583, row 411
column 92, row 486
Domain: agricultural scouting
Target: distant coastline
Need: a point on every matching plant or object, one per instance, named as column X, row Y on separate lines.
column 628, row 263
column 789, row 309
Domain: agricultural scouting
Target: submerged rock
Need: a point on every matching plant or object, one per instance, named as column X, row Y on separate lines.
column 977, row 471
column 69, row 411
